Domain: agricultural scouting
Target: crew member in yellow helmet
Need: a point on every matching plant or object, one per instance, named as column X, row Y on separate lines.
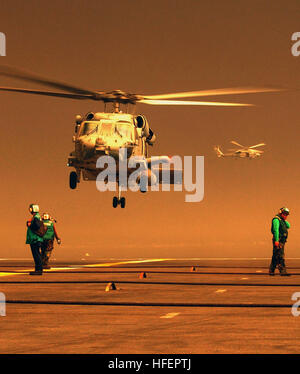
column 48, row 239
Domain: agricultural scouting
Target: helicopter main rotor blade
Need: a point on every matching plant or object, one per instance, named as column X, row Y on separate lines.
column 235, row 143
column 8, row 71
column 257, row 145
column 181, row 102
column 214, row 92
column 245, row 150
column 46, row 93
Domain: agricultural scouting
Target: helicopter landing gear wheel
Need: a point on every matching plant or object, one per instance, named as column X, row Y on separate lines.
column 122, row 202
column 115, row 201
column 73, row 180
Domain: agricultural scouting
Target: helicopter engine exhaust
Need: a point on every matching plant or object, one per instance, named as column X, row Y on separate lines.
column 90, row 116
column 142, row 123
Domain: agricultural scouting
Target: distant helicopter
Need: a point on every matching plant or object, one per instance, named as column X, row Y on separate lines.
column 242, row 152
column 105, row 133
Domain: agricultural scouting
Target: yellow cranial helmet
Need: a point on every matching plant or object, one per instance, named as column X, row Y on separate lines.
column 46, row 216
column 34, row 208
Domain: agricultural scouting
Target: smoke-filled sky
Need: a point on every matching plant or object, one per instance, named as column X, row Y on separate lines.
column 152, row 47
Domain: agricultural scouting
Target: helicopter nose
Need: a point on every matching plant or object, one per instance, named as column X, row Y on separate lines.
column 100, row 141
column 118, row 152
column 114, row 151
column 100, row 145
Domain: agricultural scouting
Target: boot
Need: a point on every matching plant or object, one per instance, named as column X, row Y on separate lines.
column 283, row 272
column 271, row 271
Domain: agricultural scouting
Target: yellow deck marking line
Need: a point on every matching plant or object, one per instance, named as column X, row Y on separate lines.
column 258, row 271
column 170, row 315
column 244, row 278
column 220, row 291
column 127, row 262
column 7, row 274
column 24, row 271
column 17, row 272
column 62, row 268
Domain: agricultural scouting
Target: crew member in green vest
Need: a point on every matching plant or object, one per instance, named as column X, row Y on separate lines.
column 34, row 240
column 48, row 239
column 279, row 229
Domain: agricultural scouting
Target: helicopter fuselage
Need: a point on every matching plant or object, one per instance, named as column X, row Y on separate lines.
column 246, row 153
column 104, row 134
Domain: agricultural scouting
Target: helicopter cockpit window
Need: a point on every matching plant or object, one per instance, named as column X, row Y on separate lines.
column 88, row 127
column 106, row 128
column 125, row 129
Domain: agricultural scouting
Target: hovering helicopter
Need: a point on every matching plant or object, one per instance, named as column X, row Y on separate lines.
column 105, row 133
column 243, row 152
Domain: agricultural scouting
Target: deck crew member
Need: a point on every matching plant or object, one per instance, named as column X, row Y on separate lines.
column 34, row 238
column 279, row 229
column 48, row 239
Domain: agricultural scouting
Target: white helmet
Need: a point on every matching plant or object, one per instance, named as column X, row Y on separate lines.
column 284, row 211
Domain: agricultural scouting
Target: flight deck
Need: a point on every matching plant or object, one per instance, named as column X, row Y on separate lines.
column 149, row 306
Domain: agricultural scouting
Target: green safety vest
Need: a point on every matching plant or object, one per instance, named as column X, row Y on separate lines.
column 50, row 230
column 31, row 237
column 283, row 229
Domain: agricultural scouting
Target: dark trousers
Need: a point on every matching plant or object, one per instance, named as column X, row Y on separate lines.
column 37, row 255
column 47, row 247
column 278, row 258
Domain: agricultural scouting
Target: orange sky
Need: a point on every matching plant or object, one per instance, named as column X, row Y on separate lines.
column 152, row 47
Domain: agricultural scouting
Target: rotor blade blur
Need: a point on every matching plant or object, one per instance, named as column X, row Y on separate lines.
column 11, row 72
column 46, row 93
column 214, row 92
column 176, row 102
column 239, row 145
column 257, row 145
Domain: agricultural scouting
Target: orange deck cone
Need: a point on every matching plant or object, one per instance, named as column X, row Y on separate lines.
column 143, row 275
column 110, row 287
